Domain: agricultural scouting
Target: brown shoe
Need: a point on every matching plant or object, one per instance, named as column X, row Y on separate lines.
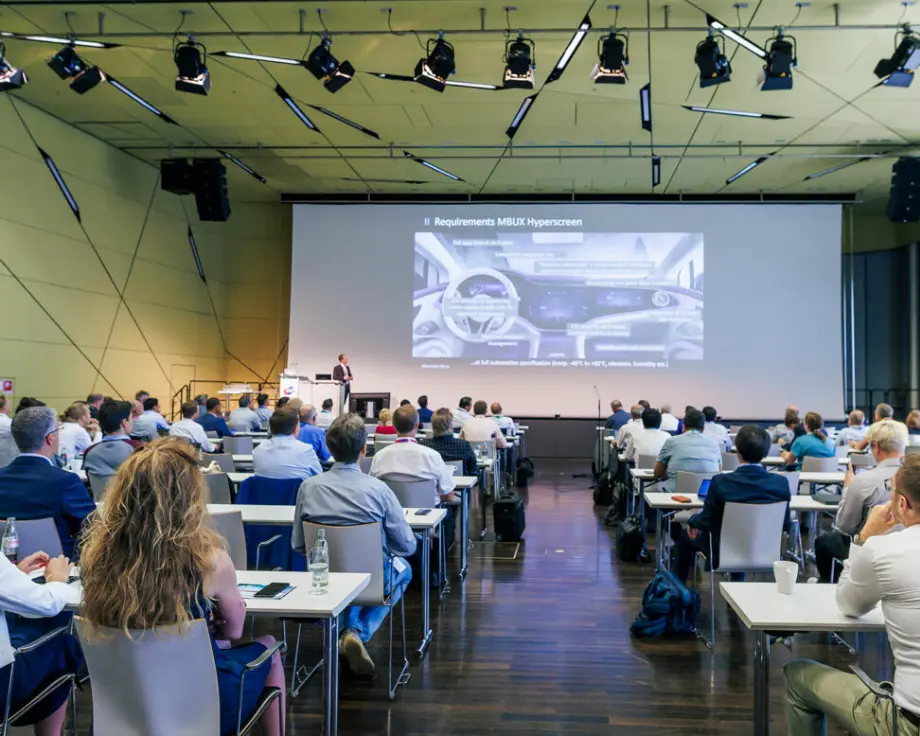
column 356, row 655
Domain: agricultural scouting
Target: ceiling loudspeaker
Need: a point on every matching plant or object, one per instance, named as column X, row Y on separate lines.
column 176, row 176
column 209, row 184
column 904, row 202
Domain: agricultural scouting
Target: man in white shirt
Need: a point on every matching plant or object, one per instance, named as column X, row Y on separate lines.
column 188, row 428
column 284, row 456
column 325, row 416
column 8, row 450
column 854, row 431
column 716, row 431
column 244, row 419
column 634, row 423
column 647, row 440
column 462, row 412
column 505, row 424
column 882, row 568
column 669, row 423
column 883, row 413
column 480, row 428
column 149, row 424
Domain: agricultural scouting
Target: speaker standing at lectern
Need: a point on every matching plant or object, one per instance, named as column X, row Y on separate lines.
column 343, row 373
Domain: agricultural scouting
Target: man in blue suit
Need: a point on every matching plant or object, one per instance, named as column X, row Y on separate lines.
column 213, row 420
column 32, row 487
column 749, row 483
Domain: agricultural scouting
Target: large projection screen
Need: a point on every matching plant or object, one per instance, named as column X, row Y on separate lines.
column 543, row 307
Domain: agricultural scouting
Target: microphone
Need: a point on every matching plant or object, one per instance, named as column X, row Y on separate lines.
column 598, row 393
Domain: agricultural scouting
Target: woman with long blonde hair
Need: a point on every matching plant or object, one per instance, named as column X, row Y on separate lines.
column 152, row 560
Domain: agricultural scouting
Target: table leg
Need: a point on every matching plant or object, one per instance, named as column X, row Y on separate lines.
column 426, row 592
column 658, row 540
column 642, row 504
column 464, row 529
column 762, row 684
column 331, row 677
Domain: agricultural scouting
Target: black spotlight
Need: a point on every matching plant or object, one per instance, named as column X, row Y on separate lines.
column 323, row 65
column 520, row 61
column 898, row 71
column 433, row 71
column 11, row 77
column 192, row 67
column 781, row 60
column 612, row 59
column 712, row 62
column 68, row 65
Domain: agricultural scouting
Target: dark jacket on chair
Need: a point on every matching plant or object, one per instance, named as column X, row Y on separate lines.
column 32, row 488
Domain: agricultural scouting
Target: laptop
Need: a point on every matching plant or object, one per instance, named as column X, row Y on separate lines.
column 704, row 488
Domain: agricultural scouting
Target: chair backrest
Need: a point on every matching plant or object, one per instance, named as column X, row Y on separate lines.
column 36, row 535
column 730, row 461
column 690, row 482
column 842, row 451
column 819, row 464
column 912, row 450
column 484, row 449
column 794, row 487
column 752, row 536
column 224, row 462
column 774, row 450
column 862, row 461
column 357, row 548
column 646, row 462
column 365, row 464
column 258, row 489
column 152, row 683
column 212, row 435
column 229, row 524
column 97, row 484
column 218, row 487
column 238, row 445
column 458, row 464
column 414, row 493
column 384, row 440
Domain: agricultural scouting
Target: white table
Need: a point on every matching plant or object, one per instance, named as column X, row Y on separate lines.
column 778, row 462
column 241, row 460
column 763, row 609
column 235, row 478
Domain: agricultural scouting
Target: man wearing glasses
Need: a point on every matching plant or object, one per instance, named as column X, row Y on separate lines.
column 32, row 487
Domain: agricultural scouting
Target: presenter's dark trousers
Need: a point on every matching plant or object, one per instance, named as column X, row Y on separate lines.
column 828, row 547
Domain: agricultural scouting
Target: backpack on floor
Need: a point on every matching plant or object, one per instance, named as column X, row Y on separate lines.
column 630, row 541
column 524, row 471
column 669, row 608
column 617, row 511
column 603, row 488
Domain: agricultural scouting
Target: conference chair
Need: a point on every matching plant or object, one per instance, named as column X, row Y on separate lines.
column 912, row 450
column 229, row 524
column 843, row 452
column 36, row 535
column 365, row 464
column 274, row 541
column 219, row 487
column 211, row 435
column 729, row 462
column 646, row 462
column 238, row 445
column 357, row 549
column 819, row 464
column 688, row 483
column 795, row 489
column 98, row 484
column 751, row 540
column 146, row 683
column 224, row 462
column 774, row 450
column 458, row 464
column 383, row 440
column 420, row 494
column 861, row 461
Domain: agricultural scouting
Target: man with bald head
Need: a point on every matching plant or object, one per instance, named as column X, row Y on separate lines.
column 854, row 431
column 634, row 423
column 310, row 434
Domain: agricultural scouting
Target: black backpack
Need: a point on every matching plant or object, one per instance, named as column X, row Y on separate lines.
column 524, row 471
column 669, row 608
column 603, row 488
column 630, row 541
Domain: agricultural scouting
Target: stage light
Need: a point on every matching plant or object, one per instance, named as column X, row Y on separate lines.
column 645, row 106
column 736, row 113
column 656, row 171
column 570, row 50
column 192, row 66
column 899, row 70
column 613, row 57
column 11, row 77
column 67, row 64
column 433, row 71
column 736, row 37
column 520, row 115
column 279, row 90
column 323, row 65
column 781, row 60
column 713, row 64
column 140, row 101
column 746, row 170
column 520, row 61
column 429, row 165
column 258, row 57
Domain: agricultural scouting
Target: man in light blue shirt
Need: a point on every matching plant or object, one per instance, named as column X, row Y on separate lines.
column 284, row 456
column 715, row 430
column 854, row 431
column 244, row 419
column 691, row 451
column 346, row 496
column 311, row 434
column 149, row 424
column 263, row 410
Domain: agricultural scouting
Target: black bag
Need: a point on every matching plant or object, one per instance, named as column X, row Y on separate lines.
column 617, row 511
column 630, row 541
column 524, row 471
column 508, row 518
column 669, row 608
column 603, row 489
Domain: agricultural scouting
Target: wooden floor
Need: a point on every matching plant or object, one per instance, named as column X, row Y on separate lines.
column 541, row 645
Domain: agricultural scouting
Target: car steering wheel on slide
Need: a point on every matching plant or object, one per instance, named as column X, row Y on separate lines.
column 482, row 316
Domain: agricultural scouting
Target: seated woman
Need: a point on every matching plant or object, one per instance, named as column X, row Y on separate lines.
column 74, row 435
column 814, row 443
column 152, row 560
column 913, row 427
column 385, row 419
column 60, row 655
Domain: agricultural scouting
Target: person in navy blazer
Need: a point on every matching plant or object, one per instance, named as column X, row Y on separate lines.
column 32, row 487
column 749, row 483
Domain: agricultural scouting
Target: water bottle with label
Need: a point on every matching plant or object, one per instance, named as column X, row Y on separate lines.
column 319, row 564
column 10, row 543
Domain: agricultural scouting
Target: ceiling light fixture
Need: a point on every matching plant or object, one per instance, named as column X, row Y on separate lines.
column 67, row 64
column 656, row 171
column 899, row 69
column 781, row 60
column 645, row 106
column 244, row 167
column 11, row 77
column 736, row 37
column 471, row 85
column 68, row 41
column 351, row 123
column 520, row 115
column 258, row 57
column 52, row 167
column 746, row 170
column 288, row 100
column 834, row 169
column 712, row 62
column 192, row 67
column 140, row 101
column 735, row 113
column 520, row 61
column 323, row 65
column 433, row 71
column 570, row 50
column 194, row 247
column 613, row 58
column 431, row 166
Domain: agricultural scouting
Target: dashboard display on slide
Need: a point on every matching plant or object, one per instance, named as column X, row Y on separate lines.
column 604, row 300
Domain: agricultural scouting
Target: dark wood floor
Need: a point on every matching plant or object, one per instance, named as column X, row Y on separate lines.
column 541, row 645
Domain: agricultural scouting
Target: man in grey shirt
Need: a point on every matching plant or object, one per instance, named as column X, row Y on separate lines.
column 691, row 451
column 345, row 496
column 854, row 431
column 860, row 493
column 244, row 419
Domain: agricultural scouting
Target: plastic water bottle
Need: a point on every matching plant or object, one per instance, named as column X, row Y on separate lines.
column 319, row 564
column 10, row 541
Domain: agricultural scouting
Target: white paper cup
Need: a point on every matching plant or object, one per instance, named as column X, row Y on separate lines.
column 786, row 574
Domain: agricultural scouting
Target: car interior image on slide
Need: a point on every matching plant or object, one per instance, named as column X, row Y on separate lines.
column 597, row 297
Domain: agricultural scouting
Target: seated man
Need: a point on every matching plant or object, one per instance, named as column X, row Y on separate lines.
column 284, row 456
column 505, row 424
column 691, row 451
column 861, row 492
column 649, row 440
column 312, row 435
column 94, row 401
column 854, row 431
column 619, row 417
column 424, row 413
column 883, row 413
column 790, row 430
column 32, row 487
column 634, row 423
column 213, row 420
column 148, row 425
column 447, row 446
column 749, row 483
column 882, row 569
column 8, row 449
column 243, row 418
column 103, row 458
column 325, row 416
column 715, row 430
column 263, row 409
column 462, row 413
column 344, row 496
column 202, row 401
column 191, row 430
column 482, row 428
column 669, row 422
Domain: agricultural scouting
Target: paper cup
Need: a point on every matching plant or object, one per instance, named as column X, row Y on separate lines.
column 786, row 574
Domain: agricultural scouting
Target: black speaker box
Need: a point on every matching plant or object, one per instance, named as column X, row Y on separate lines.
column 904, row 202
column 209, row 184
column 176, row 176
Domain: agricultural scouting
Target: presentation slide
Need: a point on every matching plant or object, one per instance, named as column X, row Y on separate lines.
column 545, row 307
